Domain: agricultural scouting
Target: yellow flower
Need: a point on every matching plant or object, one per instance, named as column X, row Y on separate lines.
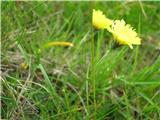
column 99, row 20
column 23, row 66
column 124, row 33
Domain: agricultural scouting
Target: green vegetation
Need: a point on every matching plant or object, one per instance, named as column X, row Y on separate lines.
column 65, row 83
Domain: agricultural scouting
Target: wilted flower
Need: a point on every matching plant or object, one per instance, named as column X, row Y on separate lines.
column 49, row 44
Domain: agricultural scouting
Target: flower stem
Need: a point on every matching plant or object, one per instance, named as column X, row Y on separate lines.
column 99, row 45
column 93, row 70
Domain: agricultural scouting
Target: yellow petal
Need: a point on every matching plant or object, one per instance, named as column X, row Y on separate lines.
column 99, row 20
column 124, row 33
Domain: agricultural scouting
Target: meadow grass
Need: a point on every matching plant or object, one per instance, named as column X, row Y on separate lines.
column 93, row 80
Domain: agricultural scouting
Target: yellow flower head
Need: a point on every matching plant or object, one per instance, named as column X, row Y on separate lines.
column 99, row 20
column 124, row 33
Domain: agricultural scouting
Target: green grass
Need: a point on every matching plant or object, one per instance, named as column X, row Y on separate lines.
column 94, row 80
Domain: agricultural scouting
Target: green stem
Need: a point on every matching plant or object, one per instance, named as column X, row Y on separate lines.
column 137, row 49
column 99, row 43
column 93, row 69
